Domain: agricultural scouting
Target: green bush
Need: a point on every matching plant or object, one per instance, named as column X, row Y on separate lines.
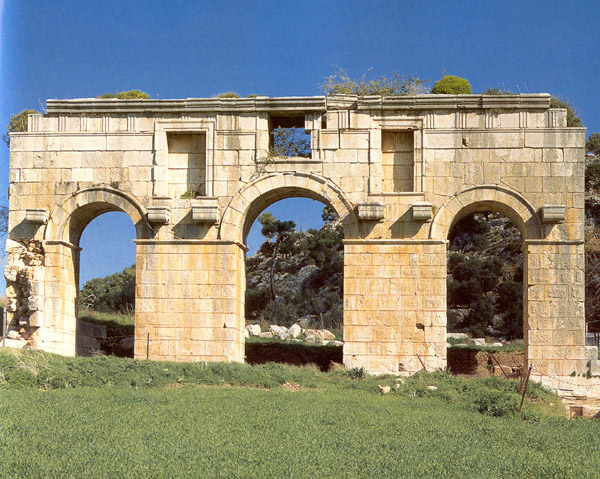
column 573, row 119
column 496, row 403
column 228, row 94
column 452, row 85
column 17, row 123
column 126, row 95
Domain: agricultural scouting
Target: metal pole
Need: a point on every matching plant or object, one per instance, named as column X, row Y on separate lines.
column 147, row 345
column 4, row 326
column 525, row 388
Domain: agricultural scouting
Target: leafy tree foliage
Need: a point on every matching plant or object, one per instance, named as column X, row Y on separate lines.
column 302, row 277
column 592, row 145
column 126, row 95
column 3, row 219
column 289, row 142
column 17, row 122
column 114, row 293
column 394, row 85
column 485, row 275
column 452, row 85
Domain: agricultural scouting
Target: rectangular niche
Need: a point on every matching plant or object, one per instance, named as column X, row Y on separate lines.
column 397, row 161
column 186, row 164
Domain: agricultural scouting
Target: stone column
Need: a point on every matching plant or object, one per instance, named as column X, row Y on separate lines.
column 395, row 305
column 57, row 333
column 554, row 314
column 189, row 300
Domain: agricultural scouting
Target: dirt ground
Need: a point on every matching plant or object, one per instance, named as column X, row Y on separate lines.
column 461, row 361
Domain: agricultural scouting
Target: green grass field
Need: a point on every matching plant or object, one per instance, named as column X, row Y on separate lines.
column 107, row 417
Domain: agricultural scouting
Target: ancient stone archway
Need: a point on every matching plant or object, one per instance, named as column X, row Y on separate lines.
column 193, row 174
column 70, row 216
column 487, row 198
column 257, row 195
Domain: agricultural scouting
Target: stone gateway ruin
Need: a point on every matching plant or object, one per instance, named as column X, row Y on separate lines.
column 194, row 174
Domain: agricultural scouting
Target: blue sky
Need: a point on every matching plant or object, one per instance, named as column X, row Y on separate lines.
column 179, row 49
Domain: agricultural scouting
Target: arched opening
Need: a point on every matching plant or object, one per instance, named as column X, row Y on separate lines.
column 106, row 286
column 62, row 238
column 294, row 281
column 485, row 293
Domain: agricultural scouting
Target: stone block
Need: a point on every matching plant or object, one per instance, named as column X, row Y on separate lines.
column 422, row 211
column 371, row 211
column 205, row 210
column 159, row 214
column 553, row 213
column 36, row 215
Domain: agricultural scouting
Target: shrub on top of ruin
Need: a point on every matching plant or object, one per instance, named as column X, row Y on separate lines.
column 126, row 95
column 394, row 85
column 573, row 119
column 497, row 91
column 17, row 122
column 228, row 94
column 452, row 85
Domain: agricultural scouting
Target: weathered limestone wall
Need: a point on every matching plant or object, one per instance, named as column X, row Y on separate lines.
column 395, row 305
column 194, row 174
column 189, row 300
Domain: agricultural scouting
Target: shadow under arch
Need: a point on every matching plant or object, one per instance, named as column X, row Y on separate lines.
column 487, row 198
column 70, row 216
column 249, row 201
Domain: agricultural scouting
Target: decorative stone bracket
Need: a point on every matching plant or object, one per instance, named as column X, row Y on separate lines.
column 159, row 214
column 371, row 211
column 553, row 213
column 36, row 215
column 205, row 210
column 422, row 211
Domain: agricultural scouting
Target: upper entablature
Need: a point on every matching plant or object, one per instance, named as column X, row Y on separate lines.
column 427, row 102
column 440, row 112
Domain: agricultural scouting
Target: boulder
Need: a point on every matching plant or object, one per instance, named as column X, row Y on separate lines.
column 384, row 389
column 295, row 331
column 246, row 334
column 13, row 334
column 328, row 335
column 15, row 343
column 320, row 334
column 310, row 338
column 461, row 336
column 284, row 336
column 267, row 334
column 336, row 343
column 323, row 342
column 277, row 330
column 253, row 329
column 478, row 341
column 497, row 345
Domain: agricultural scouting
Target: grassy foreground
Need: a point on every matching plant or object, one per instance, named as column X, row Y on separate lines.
column 112, row 417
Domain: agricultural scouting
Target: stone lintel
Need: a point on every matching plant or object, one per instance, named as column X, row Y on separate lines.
column 393, row 241
column 190, row 242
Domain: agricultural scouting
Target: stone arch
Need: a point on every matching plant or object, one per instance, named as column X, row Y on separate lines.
column 257, row 195
column 487, row 198
column 71, row 215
